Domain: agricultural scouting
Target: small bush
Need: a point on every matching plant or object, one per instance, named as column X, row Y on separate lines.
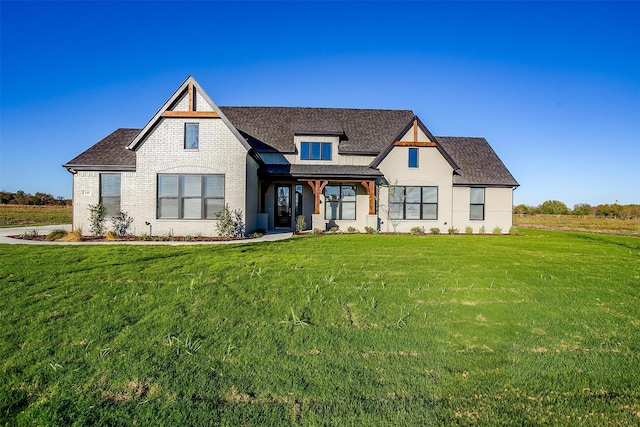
column 370, row 230
column 417, row 230
column 30, row 234
column 145, row 236
column 187, row 238
column 317, row 231
column 56, row 234
column 121, row 223
column 73, row 236
column 482, row 230
column 452, row 230
column 468, row 230
column 352, row 230
column 230, row 224
column 434, row 230
column 97, row 219
column 256, row 234
column 301, row 224
column 497, row 230
column 334, row 230
column 513, row 230
column 111, row 235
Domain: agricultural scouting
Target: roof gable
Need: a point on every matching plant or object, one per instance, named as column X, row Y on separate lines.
column 191, row 101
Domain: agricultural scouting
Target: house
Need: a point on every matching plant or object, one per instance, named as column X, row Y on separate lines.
column 337, row 167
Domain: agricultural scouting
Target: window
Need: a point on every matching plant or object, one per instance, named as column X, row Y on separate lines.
column 110, row 192
column 298, row 207
column 190, row 196
column 340, row 201
column 413, row 202
column 191, row 133
column 315, row 151
column 476, row 208
column 413, row 157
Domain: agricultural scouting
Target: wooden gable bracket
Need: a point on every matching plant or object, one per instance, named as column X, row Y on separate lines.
column 191, row 113
column 317, row 187
column 370, row 186
column 415, row 142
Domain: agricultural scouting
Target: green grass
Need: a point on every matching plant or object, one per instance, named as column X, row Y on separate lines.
column 25, row 215
column 540, row 328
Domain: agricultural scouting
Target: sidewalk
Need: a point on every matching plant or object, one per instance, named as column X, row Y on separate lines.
column 46, row 229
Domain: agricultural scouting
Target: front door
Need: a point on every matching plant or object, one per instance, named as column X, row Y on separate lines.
column 282, row 217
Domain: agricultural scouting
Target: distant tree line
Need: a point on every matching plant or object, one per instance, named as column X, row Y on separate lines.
column 555, row 207
column 22, row 198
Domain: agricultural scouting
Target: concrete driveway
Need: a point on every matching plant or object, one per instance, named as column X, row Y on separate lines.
column 46, row 229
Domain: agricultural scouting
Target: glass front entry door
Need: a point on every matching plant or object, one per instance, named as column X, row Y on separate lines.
column 282, row 217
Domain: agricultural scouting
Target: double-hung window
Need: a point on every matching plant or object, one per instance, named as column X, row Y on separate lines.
column 191, row 136
column 476, row 206
column 413, row 202
column 110, row 192
column 315, row 151
column 340, row 201
column 190, row 196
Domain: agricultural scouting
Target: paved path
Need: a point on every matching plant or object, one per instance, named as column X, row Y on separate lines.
column 46, row 229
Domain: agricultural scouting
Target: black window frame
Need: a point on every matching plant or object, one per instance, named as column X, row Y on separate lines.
column 341, row 202
column 472, row 204
column 307, row 153
column 109, row 200
column 421, row 204
column 186, row 136
column 180, row 197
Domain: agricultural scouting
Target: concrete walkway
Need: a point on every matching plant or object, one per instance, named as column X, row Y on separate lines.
column 46, row 229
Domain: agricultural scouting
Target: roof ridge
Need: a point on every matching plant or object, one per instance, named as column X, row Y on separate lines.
column 313, row 108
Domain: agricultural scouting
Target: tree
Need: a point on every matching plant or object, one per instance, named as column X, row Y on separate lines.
column 583, row 209
column 554, row 207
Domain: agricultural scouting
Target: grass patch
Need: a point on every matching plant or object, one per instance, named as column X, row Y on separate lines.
column 592, row 224
column 539, row 328
column 25, row 215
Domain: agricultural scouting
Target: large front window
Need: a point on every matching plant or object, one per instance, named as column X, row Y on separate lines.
column 190, row 196
column 110, row 192
column 340, row 201
column 315, row 151
column 413, row 202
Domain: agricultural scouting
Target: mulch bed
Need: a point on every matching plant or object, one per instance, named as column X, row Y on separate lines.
column 93, row 239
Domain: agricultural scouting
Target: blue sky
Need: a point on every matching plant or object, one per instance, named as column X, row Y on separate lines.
column 553, row 86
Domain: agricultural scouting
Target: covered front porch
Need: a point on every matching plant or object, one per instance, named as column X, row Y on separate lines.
column 326, row 196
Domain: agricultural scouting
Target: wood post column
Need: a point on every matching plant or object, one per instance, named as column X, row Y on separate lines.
column 370, row 186
column 317, row 187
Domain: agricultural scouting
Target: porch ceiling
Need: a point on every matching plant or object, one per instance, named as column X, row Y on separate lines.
column 327, row 172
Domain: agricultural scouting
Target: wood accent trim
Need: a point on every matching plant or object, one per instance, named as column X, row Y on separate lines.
column 190, row 114
column 370, row 186
column 414, row 144
column 191, row 96
column 317, row 187
column 415, row 130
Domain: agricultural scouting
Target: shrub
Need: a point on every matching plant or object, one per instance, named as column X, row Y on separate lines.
column 111, row 235
column 452, row 230
column 121, row 223
column 256, row 234
column 417, row 230
column 317, row 231
column 334, row 230
column 230, row 224
column 352, row 230
column 434, row 230
column 370, row 230
column 145, row 236
column 97, row 219
column 497, row 230
column 513, row 230
column 56, row 234
column 301, row 225
column 482, row 230
column 468, row 229
column 73, row 236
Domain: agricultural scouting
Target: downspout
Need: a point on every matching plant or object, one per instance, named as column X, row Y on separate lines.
column 72, row 171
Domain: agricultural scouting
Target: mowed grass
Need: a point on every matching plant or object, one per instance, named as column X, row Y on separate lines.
column 592, row 224
column 539, row 328
column 24, row 215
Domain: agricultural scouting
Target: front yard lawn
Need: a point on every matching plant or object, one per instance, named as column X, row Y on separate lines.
column 539, row 328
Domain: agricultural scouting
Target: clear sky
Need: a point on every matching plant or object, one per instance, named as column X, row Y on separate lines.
column 553, row 86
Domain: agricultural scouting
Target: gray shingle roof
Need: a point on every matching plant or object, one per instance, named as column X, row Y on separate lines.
column 361, row 130
column 320, row 171
column 479, row 164
column 110, row 153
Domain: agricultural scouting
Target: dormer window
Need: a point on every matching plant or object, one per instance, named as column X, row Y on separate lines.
column 315, row 151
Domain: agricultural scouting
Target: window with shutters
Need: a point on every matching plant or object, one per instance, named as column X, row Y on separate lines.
column 190, row 196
